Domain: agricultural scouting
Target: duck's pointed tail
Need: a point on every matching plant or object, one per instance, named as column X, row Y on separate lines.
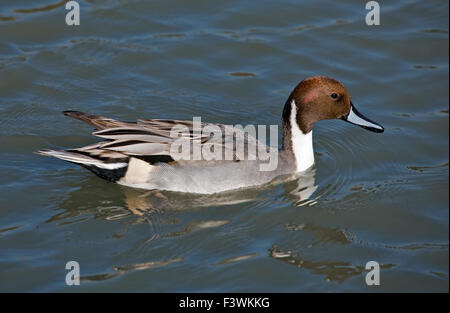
column 111, row 171
column 99, row 122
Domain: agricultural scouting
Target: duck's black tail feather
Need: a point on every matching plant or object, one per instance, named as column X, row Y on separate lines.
column 111, row 171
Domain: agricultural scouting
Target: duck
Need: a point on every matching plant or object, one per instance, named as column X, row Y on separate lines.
column 141, row 155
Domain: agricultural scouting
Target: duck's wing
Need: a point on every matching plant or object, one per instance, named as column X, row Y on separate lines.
column 152, row 140
column 131, row 149
column 164, row 137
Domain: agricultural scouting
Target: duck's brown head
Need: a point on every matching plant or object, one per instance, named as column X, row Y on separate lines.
column 321, row 98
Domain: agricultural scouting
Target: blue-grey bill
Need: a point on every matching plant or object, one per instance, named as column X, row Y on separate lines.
column 354, row 117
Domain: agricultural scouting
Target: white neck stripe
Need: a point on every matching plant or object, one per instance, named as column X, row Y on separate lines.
column 302, row 145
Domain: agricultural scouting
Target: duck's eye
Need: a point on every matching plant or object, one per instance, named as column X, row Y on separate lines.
column 334, row 95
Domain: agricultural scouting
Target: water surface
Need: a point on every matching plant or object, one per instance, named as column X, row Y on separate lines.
column 381, row 197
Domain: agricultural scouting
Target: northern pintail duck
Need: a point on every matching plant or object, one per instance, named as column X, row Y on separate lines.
column 138, row 154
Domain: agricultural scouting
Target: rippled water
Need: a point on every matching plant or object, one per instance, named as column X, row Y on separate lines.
column 372, row 197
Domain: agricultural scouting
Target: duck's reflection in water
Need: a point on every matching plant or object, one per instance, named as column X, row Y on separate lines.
column 338, row 271
column 333, row 270
column 298, row 190
column 166, row 211
column 90, row 200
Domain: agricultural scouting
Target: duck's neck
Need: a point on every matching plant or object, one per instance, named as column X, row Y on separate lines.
column 295, row 141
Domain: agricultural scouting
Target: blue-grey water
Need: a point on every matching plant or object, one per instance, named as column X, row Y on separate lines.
column 375, row 197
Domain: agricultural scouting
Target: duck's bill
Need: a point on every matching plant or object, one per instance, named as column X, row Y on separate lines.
column 354, row 117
